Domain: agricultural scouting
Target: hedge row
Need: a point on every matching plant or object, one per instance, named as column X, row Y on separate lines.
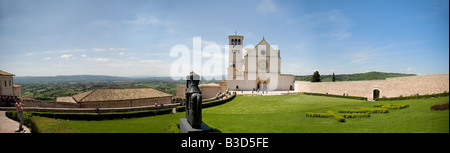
column 439, row 107
column 122, row 115
column 339, row 96
column 323, row 115
column 364, row 110
column 209, row 104
column 355, row 115
column 337, row 117
column 39, row 124
column 417, row 96
column 103, row 116
column 392, row 106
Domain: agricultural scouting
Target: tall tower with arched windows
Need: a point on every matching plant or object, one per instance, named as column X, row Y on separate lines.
column 235, row 70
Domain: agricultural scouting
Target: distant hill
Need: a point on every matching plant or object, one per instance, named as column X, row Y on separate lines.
column 66, row 78
column 93, row 78
column 354, row 77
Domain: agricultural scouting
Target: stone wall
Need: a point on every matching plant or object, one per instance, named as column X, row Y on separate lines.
column 391, row 87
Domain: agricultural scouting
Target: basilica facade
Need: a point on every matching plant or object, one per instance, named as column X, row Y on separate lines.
column 260, row 69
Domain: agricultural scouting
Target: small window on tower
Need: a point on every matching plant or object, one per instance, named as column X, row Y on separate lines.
column 239, row 41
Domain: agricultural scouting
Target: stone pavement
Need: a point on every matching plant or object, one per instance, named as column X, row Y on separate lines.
column 10, row 126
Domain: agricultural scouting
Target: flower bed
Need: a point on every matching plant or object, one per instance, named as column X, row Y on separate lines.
column 439, row 107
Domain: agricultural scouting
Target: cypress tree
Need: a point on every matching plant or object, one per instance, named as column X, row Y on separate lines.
column 333, row 78
column 315, row 77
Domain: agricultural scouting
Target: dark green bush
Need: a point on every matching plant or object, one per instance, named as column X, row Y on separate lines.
column 122, row 115
column 103, row 116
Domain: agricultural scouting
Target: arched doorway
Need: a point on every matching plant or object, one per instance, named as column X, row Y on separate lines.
column 264, row 86
column 258, row 86
column 376, row 94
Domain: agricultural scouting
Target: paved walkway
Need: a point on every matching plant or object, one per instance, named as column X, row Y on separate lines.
column 10, row 126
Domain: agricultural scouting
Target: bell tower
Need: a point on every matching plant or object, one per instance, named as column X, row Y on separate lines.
column 235, row 43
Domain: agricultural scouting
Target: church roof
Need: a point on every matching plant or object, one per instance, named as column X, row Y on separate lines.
column 118, row 94
column 3, row 73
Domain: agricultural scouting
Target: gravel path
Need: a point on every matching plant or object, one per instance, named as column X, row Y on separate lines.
column 10, row 126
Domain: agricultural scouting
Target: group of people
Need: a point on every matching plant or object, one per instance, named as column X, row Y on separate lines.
column 257, row 90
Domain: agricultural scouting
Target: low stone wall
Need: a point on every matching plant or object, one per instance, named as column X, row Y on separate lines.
column 90, row 110
column 391, row 87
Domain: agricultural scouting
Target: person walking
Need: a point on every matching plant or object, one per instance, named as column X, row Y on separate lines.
column 19, row 108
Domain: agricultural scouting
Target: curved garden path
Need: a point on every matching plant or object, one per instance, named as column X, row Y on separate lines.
column 10, row 126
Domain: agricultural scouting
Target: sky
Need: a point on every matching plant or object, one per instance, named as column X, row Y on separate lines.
column 135, row 38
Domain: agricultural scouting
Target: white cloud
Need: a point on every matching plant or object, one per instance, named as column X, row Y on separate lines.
column 121, row 53
column 132, row 58
column 98, row 49
column 101, row 59
column 65, row 56
column 84, row 55
column 47, row 58
column 29, row 54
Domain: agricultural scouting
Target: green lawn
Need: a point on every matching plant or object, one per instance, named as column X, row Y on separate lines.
column 286, row 114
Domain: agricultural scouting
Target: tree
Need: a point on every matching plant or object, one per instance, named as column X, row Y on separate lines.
column 333, row 78
column 315, row 77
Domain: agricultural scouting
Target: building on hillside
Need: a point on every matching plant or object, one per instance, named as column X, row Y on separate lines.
column 115, row 98
column 7, row 86
column 260, row 69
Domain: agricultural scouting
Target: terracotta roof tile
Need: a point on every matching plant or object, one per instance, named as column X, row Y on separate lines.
column 5, row 73
column 118, row 94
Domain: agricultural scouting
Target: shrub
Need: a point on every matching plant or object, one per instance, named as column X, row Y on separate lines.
column 392, row 106
column 103, row 116
column 364, row 110
column 209, row 104
column 122, row 115
column 323, row 115
column 355, row 115
column 339, row 118
column 439, row 107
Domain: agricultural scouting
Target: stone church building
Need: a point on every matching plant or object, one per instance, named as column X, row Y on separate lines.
column 260, row 68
